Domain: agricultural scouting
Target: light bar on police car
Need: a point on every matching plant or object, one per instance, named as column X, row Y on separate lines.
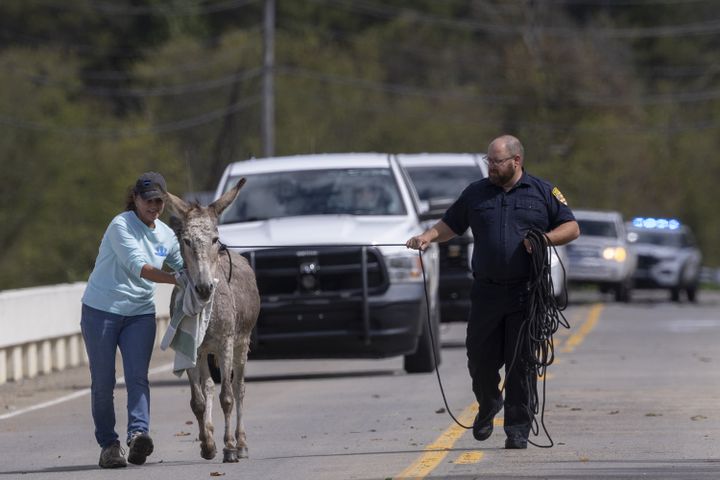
column 656, row 223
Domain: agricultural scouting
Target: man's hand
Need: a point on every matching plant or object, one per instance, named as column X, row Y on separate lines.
column 437, row 233
column 418, row 243
column 528, row 245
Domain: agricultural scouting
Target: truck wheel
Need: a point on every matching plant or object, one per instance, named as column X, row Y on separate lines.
column 692, row 293
column 422, row 361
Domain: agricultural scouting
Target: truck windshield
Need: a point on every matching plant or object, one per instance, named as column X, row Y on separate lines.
column 442, row 182
column 359, row 191
column 597, row 228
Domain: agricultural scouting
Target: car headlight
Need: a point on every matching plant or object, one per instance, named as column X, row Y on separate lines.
column 405, row 268
column 615, row 253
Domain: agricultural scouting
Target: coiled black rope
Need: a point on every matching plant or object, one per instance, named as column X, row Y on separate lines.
column 543, row 319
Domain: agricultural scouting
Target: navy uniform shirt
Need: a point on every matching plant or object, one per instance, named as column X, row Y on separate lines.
column 500, row 220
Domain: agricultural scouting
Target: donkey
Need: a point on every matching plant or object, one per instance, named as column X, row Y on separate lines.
column 235, row 308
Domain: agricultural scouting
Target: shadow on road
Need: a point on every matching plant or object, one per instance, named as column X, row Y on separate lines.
column 280, row 377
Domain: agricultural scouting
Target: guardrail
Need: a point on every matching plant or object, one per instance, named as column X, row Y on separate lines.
column 40, row 329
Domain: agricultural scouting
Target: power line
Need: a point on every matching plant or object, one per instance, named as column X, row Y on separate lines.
column 387, row 12
column 168, row 10
column 670, row 71
column 394, row 88
column 112, row 133
column 434, row 113
column 55, row 44
column 169, row 90
column 588, row 99
column 366, row 105
column 624, row 3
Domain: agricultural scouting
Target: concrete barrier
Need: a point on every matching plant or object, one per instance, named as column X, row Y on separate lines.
column 40, row 329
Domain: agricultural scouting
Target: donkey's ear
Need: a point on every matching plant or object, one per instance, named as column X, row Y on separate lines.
column 219, row 205
column 176, row 224
column 177, row 205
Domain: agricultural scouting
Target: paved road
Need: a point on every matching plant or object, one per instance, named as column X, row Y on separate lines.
column 635, row 393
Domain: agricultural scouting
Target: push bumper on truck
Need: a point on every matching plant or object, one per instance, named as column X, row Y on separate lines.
column 334, row 302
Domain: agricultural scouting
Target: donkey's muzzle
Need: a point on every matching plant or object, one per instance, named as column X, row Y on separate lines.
column 204, row 290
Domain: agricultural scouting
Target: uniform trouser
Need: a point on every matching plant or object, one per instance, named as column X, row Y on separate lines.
column 103, row 333
column 496, row 316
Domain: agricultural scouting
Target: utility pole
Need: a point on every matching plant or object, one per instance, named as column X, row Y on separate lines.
column 268, row 100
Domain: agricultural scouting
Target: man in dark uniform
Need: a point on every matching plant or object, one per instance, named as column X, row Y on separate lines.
column 500, row 210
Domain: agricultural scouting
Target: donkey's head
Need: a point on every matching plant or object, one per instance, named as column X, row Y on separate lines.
column 196, row 229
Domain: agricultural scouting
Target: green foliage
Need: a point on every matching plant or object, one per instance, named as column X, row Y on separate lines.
column 92, row 94
column 61, row 187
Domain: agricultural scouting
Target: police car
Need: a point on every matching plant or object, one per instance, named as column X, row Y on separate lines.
column 668, row 256
column 601, row 255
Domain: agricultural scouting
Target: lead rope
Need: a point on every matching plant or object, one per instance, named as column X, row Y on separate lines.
column 540, row 287
column 432, row 341
column 227, row 250
column 427, row 305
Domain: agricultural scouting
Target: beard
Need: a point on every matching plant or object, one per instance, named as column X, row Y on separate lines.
column 501, row 177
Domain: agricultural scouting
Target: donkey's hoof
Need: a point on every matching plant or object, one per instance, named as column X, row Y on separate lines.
column 242, row 452
column 208, row 452
column 230, row 455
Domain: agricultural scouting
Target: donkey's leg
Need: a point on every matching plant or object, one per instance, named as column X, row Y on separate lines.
column 230, row 453
column 202, row 390
column 239, row 360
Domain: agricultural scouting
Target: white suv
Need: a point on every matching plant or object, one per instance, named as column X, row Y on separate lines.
column 668, row 256
column 601, row 255
column 317, row 229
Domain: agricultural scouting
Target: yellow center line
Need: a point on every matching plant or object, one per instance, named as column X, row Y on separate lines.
column 577, row 338
column 439, row 449
column 468, row 458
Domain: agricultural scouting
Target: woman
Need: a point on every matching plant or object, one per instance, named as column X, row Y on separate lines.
column 118, row 311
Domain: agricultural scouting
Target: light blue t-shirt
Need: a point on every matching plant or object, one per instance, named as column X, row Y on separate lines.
column 115, row 284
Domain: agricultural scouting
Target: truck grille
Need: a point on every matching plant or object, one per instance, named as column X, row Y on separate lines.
column 327, row 271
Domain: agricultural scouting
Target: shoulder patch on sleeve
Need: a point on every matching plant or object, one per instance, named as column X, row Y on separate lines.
column 558, row 194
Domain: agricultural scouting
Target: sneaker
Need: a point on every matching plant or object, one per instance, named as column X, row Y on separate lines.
column 112, row 456
column 516, row 443
column 483, row 428
column 141, row 445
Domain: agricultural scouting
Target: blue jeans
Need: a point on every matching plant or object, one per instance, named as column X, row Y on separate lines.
column 103, row 333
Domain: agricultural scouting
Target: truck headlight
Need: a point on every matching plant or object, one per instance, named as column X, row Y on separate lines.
column 405, row 268
column 615, row 253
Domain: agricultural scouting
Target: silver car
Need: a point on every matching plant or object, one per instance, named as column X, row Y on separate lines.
column 601, row 255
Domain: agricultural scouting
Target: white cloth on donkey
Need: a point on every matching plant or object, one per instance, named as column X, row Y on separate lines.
column 188, row 324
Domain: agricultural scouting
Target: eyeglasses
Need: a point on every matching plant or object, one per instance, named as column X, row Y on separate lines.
column 498, row 161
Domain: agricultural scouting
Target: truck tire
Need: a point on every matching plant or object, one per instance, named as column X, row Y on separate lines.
column 423, row 360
